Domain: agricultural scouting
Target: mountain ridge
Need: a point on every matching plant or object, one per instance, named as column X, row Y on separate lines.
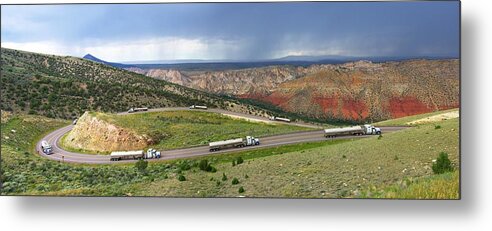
column 66, row 87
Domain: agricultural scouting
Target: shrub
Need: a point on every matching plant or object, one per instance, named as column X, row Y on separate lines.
column 184, row 165
column 224, row 177
column 141, row 165
column 239, row 160
column 241, row 189
column 442, row 164
column 235, row 181
column 437, row 127
column 343, row 156
column 204, row 165
column 181, row 178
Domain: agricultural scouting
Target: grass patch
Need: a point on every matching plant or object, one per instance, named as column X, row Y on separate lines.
column 443, row 186
column 404, row 120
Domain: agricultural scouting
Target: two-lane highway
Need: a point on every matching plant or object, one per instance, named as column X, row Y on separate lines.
column 60, row 154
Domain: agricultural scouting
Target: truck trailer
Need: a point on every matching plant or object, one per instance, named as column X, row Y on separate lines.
column 198, row 107
column 127, row 155
column 135, row 155
column 233, row 143
column 354, row 130
column 279, row 119
column 137, row 109
column 46, row 147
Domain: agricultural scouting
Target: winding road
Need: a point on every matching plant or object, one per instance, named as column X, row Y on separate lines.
column 60, row 154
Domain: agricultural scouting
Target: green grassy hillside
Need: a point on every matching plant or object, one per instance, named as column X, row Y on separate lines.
column 179, row 129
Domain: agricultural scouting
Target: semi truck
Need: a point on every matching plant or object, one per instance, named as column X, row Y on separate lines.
column 152, row 153
column 46, row 147
column 234, row 143
column 135, row 155
column 137, row 109
column 279, row 119
column 198, row 107
column 354, row 130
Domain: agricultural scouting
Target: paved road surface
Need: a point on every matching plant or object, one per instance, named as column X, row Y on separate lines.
column 278, row 140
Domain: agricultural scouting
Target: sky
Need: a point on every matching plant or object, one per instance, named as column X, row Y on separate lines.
column 234, row 31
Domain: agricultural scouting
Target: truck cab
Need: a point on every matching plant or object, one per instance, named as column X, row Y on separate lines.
column 46, row 147
column 250, row 141
column 371, row 130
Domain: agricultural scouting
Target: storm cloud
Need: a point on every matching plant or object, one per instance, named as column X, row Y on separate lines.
column 234, row 31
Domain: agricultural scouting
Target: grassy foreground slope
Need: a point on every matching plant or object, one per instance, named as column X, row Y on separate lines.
column 324, row 169
column 340, row 170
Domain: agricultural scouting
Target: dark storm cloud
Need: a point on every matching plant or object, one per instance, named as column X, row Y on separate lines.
column 249, row 30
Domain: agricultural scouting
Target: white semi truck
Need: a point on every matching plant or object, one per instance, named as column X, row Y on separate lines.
column 137, row 109
column 135, row 155
column 198, row 107
column 354, row 130
column 46, row 147
column 279, row 119
column 234, row 143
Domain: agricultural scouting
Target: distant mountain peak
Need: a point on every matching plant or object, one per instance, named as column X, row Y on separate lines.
column 93, row 58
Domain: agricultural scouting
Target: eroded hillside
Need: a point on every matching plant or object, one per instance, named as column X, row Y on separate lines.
column 96, row 135
column 362, row 91
column 358, row 91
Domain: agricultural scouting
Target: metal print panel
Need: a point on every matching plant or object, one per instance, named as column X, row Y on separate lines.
column 275, row 100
